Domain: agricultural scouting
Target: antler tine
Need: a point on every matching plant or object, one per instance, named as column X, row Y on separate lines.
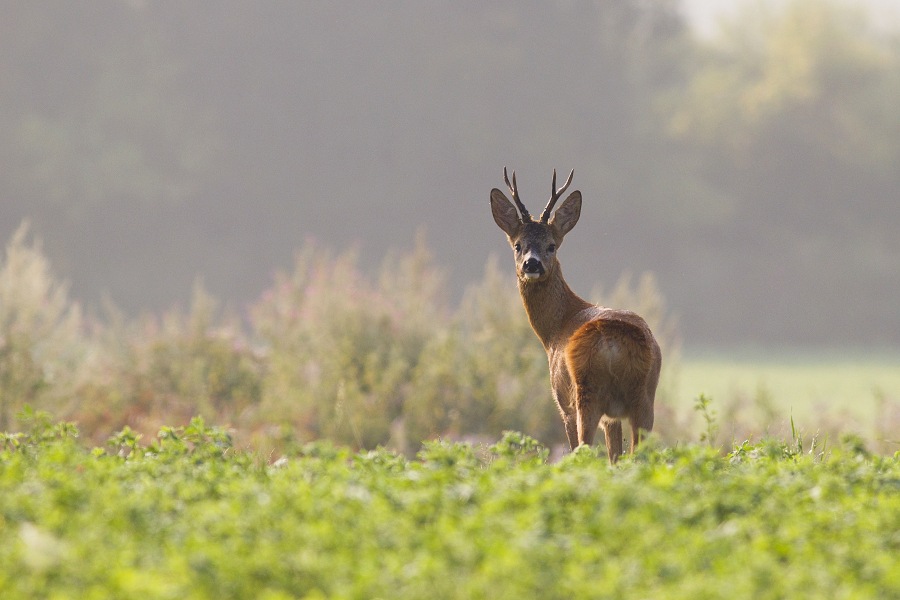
column 514, row 190
column 555, row 194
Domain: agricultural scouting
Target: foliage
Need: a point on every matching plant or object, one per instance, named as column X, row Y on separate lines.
column 754, row 394
column 711, row 429
column 40, row 343
column 790, row 112
column 789, row 71
column 149, row 370
column 489, row 373
column 331, row 353
column 342, row 348
column 334, row 354
column 189, row 517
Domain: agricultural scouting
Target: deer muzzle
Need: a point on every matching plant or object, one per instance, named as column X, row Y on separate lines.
column 532, row 268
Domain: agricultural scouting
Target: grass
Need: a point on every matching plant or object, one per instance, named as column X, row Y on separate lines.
column 758, row 394
column 188, row 516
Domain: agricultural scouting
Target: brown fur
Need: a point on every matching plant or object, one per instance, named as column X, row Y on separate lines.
column 612, row 364
column 604, row 363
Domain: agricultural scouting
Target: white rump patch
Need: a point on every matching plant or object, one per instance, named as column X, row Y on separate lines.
column 612, row 350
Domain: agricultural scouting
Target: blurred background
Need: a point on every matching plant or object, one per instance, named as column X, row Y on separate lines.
column 744, row 152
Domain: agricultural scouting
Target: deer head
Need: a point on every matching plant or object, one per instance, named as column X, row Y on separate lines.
column 535, row 241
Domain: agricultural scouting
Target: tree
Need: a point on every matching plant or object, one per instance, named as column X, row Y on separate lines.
column 792, row 114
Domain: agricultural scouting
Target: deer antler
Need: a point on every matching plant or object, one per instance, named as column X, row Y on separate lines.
column 514, row 190
column 555, row 194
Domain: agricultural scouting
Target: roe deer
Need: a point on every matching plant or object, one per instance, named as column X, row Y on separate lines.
column 604, row 363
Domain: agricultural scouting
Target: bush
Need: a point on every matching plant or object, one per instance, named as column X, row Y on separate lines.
column 342, row 348
column 330, row 353
column 41, row 346
column 157, row 370
column 486, row 374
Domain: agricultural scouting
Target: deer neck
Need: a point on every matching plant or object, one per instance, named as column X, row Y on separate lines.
column 550, row 305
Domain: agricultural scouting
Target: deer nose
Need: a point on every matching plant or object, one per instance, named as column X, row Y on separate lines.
column 533, row 266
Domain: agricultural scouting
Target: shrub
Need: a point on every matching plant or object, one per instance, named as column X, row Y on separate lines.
column 154, row 370
column 41, row 345
column 487, row 374
column 331, row 353
column 342, row 347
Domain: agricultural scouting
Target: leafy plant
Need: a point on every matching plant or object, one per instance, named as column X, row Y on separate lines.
column 518, row 447
column 41, row 346
column 703, row 406
column 188, row 516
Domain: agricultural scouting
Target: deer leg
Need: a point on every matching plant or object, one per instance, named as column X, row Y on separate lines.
column 612, row 429
column 588, row 412
column 641, row 423
column 569, row 418
column 635, row 435
column 571, row 423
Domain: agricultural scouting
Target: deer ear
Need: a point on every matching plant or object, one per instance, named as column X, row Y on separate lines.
column 505, row 214
column 566, row 216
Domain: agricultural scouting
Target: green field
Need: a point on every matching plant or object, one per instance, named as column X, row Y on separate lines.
column 187, row 516
column 756, row 394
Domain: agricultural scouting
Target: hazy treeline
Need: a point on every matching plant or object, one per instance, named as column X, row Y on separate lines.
column 754, row 172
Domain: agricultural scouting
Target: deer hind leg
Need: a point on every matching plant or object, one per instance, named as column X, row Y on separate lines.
column 642, row 416
column 641, row 423
column 612, row 429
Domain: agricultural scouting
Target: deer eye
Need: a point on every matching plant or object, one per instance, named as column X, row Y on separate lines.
column 551, row 248
column 518, row 247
